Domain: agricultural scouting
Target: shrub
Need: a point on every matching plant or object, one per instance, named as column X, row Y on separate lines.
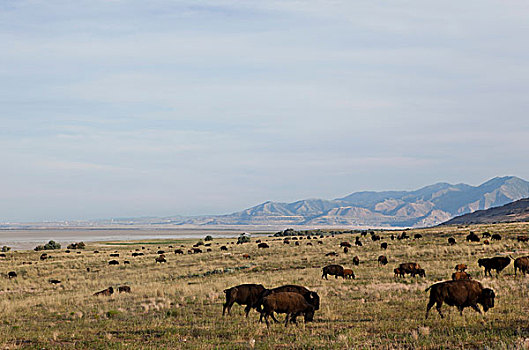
column 48, row 246
column 208, row 238
column 79, row 245
column 243, row 238
column 5, row 249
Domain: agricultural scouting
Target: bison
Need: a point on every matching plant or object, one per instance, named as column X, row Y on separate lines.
column 106, row 292
column 497, row 263
column 495, row 237
column 345, row 244
column 263, row 245
column 521, row 264
column 311, row 297
column 419, row 272
column 54, row 281
column 179, row 251
column 382, row 260
column 356, row 261
column 244, row 294
column 398, row 272
column 410, row 268
column 383, row 245
column 333, row 270
column 451, row 241
column 461, row 267
column 417, row 236
column 358, row 242
column 43, row 256
column 522, row 239
column 472, row 237
column 223, row 248
column 331, row 254
column 485, row 234
column 124, row 289
column 290, row 303
column 12, row 274
column 113, row 262
column 462, row 294
column 114, row 255
column 348, row 273
column 160, row 259
column 246, row 256
column 460, row 275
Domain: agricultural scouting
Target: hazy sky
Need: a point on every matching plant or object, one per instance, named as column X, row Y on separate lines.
column 130, row 108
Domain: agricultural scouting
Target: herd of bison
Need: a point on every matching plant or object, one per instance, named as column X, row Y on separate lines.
column 294, row 300
column 462, row 291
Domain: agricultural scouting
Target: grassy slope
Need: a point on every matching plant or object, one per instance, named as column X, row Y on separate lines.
column 168, row 309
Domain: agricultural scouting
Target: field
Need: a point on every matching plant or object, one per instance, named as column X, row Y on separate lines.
column 178, row 304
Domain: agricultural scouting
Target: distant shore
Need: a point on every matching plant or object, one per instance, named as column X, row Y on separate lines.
column 22, row 239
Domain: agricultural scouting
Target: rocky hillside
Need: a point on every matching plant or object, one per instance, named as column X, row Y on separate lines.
column 513, row 212
column 427, row 206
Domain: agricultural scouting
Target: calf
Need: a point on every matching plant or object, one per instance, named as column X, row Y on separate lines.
column 356, row 261
column 398, row 272
column 462, row 294
column 244, row 294
column 124, row 289
column 290, row 303
column 311, row 297
column 522, row 239
column 345, row 244
column 106, row 292
column 451, row 241
column 333, row 270
column 419, row 272
column 179, row 251
column 160, row 259
column 348, row 273
column 497, row 263
column 521, row 264
column 460, row 275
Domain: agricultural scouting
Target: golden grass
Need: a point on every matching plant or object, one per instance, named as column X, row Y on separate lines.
column 179, row 304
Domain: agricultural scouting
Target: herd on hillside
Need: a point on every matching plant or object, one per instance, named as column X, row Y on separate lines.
column 293, row 300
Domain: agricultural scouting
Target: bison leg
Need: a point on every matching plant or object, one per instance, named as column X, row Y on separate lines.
column 428, row 307
column 247, row 309
column 273, row 317
column 266, row 320
column 475, row 307
column 227, row 306
column 438, row 307
column 286, row 319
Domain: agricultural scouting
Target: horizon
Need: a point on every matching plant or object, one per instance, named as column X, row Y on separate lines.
column 114, row 109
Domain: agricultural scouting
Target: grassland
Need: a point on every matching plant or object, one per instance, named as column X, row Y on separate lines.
column 179, row 304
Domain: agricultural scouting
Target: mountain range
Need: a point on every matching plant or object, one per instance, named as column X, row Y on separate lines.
column 517, row 211
column 428, row 206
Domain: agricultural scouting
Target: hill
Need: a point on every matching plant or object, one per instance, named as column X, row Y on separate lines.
column 517, row 211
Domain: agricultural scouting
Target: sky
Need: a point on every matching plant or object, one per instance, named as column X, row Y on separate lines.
column 157, row 108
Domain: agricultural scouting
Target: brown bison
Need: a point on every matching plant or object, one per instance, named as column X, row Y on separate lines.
column 383, row 245
column 382, row 260
column 462, row 294
column 106, row 292
column 223, row 248
column 358, row 242
column 196, row 250
column 331, row 254
column 495, row 237
column 12, row 274
column 179, row 251
column 246, row 256
column 522, row 239
column 54, row 281
column 417, row 236
column 419, row 272
column 521, row 264
column 114, row 255
column 311, row 297
column 160, row 259
column 472, row 237
column 290, row 303
column 485, row 234
column 398, row 272
column 263, row 245
column 124, row 289
column 356, row 261
column 497, row 263
column 113, row 262
column 43, row 256
column 345, row 244
column 333, row 270
column 244, row 294
column 348, row 273
column 460, row 275
column 451, row 241
column 409, row 268
column 461, row 267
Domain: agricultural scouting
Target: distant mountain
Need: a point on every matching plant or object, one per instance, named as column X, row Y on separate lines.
column 517, row 211
column 428, row 206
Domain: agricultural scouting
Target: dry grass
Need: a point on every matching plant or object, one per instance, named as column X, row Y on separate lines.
column 179, row 304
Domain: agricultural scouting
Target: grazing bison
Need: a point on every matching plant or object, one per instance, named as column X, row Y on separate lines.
column 309, row 243
column 462, row 294
column 358, row 242
column 472, row 237
column 375, row 238
column 331, row 254
column 43, row 256
column 124, row 289
column 497, row 263
column 383, row 245
column 460, row 275
column 410, row 268
column 521, row 264
column 244, row 294
column 296, row 243
column 160, row 252
column 106, row 292
column 522, row 239
column 114, row 255
column 403, row 236
column 345, row 250
column 417, row 236
column 356, row 261
column 179, row 251
column 246, row 256
column 333, row 270
column 286, row 241
column 348, row 273
column 485, row 234
column 382, row 260
column 461, row 267
column 2, row 255
column 223, row 248
column 126, row 262
column 486, row 242
column 320, row 242
column 290, row 303
column 160, row 259
column 311, row 297
column 345, row 244
column 12, row 274
column 495, row 237
column 113, row 262
column 263, row 245
column 54, row 281
column 197, row 250
column 451, row 241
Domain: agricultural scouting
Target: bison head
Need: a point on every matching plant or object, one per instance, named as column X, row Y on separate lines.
column 480, row 262
column 315, row 300
column 487, row 299
column 309, row 314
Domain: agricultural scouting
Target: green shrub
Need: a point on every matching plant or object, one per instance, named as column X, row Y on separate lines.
column 208, row 238
column 5, row 249
column 48, row 246
column 243, row 238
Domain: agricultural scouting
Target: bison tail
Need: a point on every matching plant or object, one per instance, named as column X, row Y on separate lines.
column 427, row 289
